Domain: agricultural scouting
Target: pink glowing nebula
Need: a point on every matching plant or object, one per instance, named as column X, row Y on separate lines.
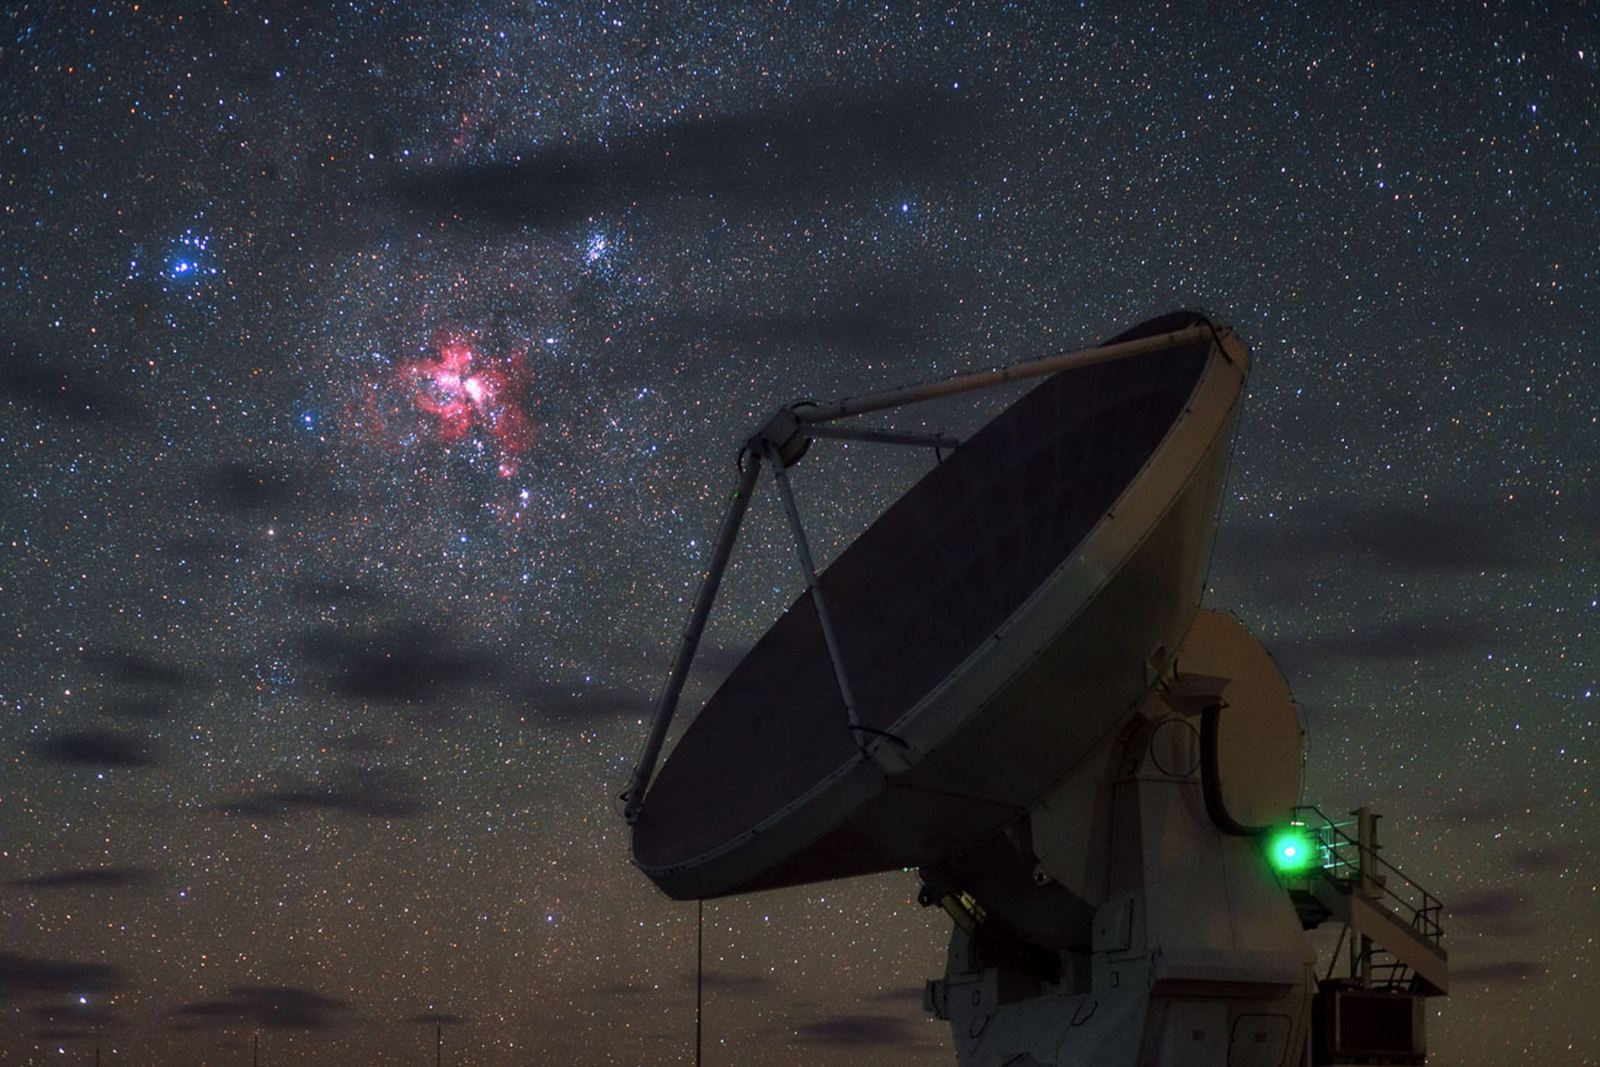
column 462, row 389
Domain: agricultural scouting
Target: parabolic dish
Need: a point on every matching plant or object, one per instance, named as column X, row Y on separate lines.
column 995, row 623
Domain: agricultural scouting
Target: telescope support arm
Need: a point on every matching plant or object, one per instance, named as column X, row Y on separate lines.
column 667, row 702
column 810, row 415
column 809, row 571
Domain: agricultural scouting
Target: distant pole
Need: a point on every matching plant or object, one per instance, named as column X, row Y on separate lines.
column 699, row 970
column 97, row 1056
column 255, row 1050
column 438, row 1044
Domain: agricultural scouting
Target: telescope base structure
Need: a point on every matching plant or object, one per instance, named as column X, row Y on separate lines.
column 1151, row 909
column 1196, row 957
column 1118, row 925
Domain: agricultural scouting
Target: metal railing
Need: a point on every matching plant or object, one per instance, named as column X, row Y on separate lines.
column 1345, row 858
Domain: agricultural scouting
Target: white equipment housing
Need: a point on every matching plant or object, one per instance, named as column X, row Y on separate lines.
column 1196, row 955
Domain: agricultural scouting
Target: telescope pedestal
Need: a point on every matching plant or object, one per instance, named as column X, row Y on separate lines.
column 1194, row 954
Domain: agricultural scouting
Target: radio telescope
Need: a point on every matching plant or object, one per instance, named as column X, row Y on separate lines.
column 1008, row 683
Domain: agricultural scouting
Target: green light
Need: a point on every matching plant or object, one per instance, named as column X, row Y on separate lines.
column 1292, row 851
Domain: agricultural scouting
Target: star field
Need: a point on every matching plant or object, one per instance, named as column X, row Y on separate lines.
column 369, row 380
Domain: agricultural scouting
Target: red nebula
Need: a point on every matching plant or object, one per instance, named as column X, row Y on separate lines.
column 462, row 389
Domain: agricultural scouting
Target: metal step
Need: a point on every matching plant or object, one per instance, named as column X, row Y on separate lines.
column 1367, row 916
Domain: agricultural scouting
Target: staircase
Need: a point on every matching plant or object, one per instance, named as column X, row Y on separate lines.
column 1393, row 924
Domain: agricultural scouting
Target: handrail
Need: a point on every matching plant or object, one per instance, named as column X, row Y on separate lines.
column 1335, row 845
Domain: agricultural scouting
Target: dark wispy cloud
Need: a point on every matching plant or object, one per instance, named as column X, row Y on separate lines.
column 267, row 1007
column 74, row 1014
column 818, row 148
column 578, row 706
column 1545, row 859
column 1499, row 912
column 54, row 388
column 245, row 488
column 128, row 667
column 1497, row 972
column 1449, row 536
column 1489, row 904
column 142, row 708
column 1456, row 535
column 873, row 319
column 88, row 878
column 588, row 704
column 96, row 748
column 858, row 1031
column 1407, row 639
column 371, row 793
column 62, row 1033
column 22, row 976
column 406, row 663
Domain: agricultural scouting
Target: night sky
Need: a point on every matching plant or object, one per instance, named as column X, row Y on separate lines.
column 369, row 381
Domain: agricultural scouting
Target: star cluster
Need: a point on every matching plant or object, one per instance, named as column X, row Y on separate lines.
column 369, row 376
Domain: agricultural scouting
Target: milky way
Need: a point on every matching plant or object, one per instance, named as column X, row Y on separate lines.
column 369, row 383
